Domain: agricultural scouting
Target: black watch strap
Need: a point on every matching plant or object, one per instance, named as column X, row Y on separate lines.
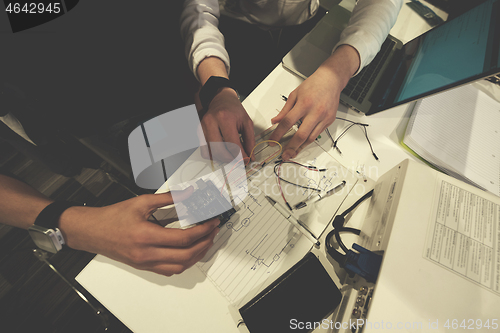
column 49, row 216
column 211, row 88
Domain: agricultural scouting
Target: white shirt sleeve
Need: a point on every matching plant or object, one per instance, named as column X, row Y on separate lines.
column 368, row 27
column 200, row 31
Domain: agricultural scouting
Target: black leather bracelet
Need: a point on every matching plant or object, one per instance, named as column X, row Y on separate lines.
column 49, row 216
column 211, row 88
column 45, row 231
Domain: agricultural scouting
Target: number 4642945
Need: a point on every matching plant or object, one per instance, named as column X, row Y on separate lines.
column 33, row 8
column 471, row 324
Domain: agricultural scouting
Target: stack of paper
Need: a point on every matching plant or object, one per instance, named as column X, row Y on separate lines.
column 458, row 131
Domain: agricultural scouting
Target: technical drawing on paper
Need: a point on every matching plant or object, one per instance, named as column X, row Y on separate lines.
column 249, row 248
column 261, row 260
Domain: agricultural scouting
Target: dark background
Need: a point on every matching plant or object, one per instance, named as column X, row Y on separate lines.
column 102, row 62
column 99, row 64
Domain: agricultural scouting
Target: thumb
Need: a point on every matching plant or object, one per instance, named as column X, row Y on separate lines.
column 168, row 198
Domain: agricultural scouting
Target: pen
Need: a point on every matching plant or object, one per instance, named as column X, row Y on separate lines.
column 294, row 221
column 320, row 196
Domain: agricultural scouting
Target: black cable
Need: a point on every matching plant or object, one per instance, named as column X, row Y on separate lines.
column 339, row 240
column 339, row 257
column 360, row 200
column 329, row 135
column 298, row 185
column 338, row 227
column 342, row 134
column 336, row 255
column 354, row 122
column 300, row 164
column 309, row 167
column 335, row 142
column 371, row 148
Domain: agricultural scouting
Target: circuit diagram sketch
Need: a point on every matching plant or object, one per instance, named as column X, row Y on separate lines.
column 260, row 259
column 257, row 243
column 322, row 181
column 299, row 182
column 245, row 209
column 243, row 222
column 249, row 248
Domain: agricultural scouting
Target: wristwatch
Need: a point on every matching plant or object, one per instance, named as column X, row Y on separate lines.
column 45, row 232
column 211, row 88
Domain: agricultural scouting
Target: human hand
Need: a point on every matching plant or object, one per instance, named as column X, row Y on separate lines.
column 223, row 122
column 123, row 233
column 315, row 101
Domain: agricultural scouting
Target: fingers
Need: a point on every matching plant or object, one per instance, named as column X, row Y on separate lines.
column 172, row 237
column 171, row 269
column 231, row 135
column 168, row 260
column 217, row 135
column 290, row 102
column 223, row 122
column 213, row 136
column 146, row 256
column 291, row 113
column 153, row 234
column 148, row 203
column 285, row 123
column 307, row 133
column 122, row 232
column 248, row 135
column 316, row 114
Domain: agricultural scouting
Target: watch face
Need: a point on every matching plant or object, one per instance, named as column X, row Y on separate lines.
column 42, row 238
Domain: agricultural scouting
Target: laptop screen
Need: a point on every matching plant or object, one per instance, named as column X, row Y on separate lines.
column 457, row 52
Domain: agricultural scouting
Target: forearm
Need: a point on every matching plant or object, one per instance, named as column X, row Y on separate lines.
column 201, row 35
column 343, row 64
column 211, row 66
column 20, row 203
column 370, row 23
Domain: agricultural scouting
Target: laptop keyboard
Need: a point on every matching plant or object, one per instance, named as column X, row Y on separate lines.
column 358, row 86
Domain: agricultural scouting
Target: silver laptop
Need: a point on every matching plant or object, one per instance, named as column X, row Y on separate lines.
column 455, row 53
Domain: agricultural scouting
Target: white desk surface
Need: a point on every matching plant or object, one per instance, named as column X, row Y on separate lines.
column 147, row 302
